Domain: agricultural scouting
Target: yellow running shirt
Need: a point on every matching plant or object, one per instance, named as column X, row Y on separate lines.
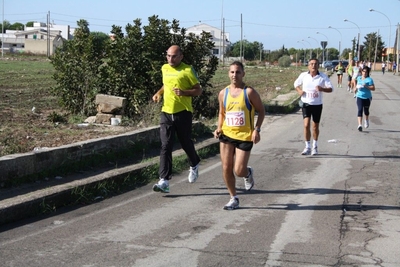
column 350, row 70
column 239, row 116
column 183, row 77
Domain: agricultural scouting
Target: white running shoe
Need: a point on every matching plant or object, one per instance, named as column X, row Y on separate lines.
column 314, row 151
column 161, row 186
column 306, row 151
column 359, row 128
column 249, row 181
column 366, row 124
column 232, row 204
column 193, row 173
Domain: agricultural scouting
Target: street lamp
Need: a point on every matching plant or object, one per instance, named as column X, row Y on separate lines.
column 390, row 30
column 358, row 40
column 340, row 42
column 327, row 40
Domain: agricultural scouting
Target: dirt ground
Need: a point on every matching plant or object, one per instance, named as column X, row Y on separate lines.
column 25, row 108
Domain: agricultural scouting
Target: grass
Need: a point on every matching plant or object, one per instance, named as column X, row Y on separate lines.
column 26, row 83
column 29, row 113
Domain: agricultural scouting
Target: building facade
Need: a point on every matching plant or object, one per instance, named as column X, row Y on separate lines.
column 219, row 37
column 39, row 39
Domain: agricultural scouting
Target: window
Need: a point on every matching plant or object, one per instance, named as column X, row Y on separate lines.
column 215, row 51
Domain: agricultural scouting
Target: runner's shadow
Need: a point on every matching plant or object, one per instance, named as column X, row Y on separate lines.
column 313, row 191
column 343, row 207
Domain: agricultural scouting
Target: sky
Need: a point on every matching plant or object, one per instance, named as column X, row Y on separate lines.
column 291, row 23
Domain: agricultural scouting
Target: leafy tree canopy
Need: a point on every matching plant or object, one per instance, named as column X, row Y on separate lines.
column 128, row 65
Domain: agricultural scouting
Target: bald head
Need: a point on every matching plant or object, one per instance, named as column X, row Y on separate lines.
column 174, row 55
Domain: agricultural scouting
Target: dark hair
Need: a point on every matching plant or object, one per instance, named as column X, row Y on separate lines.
column 238, row 63
column 367, row 70
column 316, row 59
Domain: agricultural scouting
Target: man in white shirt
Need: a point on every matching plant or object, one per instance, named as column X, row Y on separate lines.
column 310, row 85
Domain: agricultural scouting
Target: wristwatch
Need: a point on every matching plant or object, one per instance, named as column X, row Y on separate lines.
column 258, row 129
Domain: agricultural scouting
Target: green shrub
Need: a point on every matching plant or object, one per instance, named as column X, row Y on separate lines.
column 128, row 65
column 284, row 61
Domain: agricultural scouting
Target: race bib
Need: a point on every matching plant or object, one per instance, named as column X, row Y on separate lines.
column 235, row 118
column 312, row 95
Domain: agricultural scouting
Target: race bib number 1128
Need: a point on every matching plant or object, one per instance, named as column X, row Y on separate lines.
column 235, row 118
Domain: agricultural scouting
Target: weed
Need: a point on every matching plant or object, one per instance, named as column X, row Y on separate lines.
column 54, row 117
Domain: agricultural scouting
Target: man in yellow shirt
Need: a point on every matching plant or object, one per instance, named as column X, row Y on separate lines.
column 180, row 84
column 237, row 131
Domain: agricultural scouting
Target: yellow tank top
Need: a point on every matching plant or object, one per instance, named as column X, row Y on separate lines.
column 350, row 70
column 239, row 116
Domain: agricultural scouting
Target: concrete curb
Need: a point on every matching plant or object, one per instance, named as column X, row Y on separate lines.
column 31, row 204
column 35, row 202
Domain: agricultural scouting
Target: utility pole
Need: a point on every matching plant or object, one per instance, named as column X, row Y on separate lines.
column 222, row 32
column 2, row 34
column 376, row 48
column 397, row 50
column 241, row 38
column 223, row 42
column 48, row 34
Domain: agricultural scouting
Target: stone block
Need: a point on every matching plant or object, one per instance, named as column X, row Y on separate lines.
column 116, row 101
column 104, row 118
column 108, row 108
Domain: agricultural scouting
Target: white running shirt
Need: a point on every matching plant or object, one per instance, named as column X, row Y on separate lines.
column 308, row 84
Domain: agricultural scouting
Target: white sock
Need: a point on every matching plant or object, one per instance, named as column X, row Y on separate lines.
column 315, row 143
column 308, row 144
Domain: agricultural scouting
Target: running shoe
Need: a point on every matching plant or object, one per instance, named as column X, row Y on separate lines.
column 162, row 186
column 359, row 128
column 314, row 151
column 232, row 204
column 366, row 124
column 249, row 181
column 193, row 174
column 306, row 151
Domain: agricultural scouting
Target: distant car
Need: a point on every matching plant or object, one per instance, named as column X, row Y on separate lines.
column 334, row 63
column 326, row 64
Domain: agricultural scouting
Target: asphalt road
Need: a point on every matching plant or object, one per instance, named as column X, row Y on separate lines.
column 340, row 208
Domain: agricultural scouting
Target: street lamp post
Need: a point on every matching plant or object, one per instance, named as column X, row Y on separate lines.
column 390, row 30
column 327, row 40
column 340, row 42
column 358, row 39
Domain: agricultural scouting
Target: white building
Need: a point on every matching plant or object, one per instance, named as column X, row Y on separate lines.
column 35, row 39
column 220, row 38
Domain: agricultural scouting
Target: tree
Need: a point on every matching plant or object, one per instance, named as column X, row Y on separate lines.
column 77, row 71
column 17, row 27
column 100, row 38
column 6, row 25
column 250, row 51
column 345, row 53
column 284, row 61
column 372, row 42
column 332, row 53
column 129, row 65
column 29, row 24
